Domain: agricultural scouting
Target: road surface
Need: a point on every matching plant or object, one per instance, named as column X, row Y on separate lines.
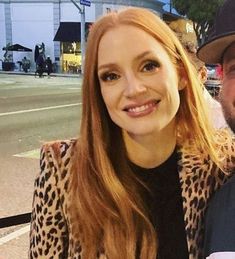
column 32, row 111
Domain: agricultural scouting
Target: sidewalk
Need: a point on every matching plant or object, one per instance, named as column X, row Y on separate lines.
column 16, row 187
column 45, row 75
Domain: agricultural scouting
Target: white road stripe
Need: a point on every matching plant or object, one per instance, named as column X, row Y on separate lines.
column 14, row 234
column 222, row 255
column 35, row 153
column 39, row 109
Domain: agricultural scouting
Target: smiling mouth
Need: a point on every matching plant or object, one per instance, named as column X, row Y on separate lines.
column 142, row 109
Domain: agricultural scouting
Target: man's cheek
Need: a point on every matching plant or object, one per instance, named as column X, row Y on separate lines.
column 228, row 84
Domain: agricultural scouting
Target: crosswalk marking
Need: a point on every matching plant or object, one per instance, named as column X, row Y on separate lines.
column 14, row 234
column 29, row 154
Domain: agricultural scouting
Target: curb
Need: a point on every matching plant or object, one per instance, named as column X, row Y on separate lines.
column 33, row 74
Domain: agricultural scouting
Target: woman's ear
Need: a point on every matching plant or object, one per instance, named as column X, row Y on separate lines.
column 183, row 78
column 182, row 83
column 202, row 74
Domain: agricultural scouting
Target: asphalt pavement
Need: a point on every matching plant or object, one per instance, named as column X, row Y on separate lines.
column 32, row 111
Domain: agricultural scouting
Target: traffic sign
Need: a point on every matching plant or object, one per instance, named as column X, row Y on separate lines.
column 85, row 2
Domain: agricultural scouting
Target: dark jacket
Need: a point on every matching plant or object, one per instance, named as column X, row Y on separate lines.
column 220, row 223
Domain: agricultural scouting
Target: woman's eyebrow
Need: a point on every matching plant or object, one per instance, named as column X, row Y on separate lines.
column 108, row 65
column 143, row 54
column 139, row 56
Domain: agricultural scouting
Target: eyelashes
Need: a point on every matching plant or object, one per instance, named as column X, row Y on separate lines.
column 149, row 66
column 109, row 76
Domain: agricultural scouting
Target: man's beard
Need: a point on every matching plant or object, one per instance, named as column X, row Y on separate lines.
column 229, row 114
column 231, row 123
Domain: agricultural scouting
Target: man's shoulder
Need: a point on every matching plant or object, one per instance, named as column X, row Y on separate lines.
column 220, row 224
column 226, row 194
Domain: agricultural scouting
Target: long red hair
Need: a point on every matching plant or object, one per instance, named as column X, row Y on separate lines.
column 108, row 211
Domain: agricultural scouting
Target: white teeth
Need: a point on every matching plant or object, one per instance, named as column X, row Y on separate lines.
column 140, row 108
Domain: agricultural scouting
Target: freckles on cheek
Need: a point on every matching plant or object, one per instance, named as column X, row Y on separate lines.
column 104, row 99
column 107, row 98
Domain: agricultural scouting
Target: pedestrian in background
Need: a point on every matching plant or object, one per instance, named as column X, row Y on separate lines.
column 136, row 182
column 48, row 66
column 220, row 48
column 25, row 64
column 40, row 65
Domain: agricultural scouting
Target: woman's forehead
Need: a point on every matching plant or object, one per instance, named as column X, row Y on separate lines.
column 128, row 43
column 128, row 35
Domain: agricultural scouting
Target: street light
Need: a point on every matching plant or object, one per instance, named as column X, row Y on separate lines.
column 82, row 12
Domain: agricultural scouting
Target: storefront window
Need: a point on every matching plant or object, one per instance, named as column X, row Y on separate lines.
column 71, row 57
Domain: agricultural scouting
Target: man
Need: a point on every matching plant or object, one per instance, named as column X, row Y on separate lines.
column 220, row 48
column 40, row 65
column 49, row 66
column 25, row 64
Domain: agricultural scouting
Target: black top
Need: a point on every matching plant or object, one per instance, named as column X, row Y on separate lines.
column 220, row 223
column 164, row 202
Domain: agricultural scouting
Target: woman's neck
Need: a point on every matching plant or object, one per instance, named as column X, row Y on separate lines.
column 152, row 150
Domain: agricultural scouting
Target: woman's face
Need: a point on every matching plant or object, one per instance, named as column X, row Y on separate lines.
column 139, row 82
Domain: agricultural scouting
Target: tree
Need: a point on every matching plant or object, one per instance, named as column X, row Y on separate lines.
column 201, row 12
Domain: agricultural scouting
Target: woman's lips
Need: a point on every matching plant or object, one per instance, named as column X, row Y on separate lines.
column 141, row 109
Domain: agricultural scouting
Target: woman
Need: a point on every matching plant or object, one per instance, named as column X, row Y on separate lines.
column 137, row 181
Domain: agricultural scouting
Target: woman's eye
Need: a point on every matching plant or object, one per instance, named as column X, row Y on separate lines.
column 150, row 66
column 109, row 77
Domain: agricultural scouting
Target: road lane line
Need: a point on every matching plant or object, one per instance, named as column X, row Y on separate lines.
column 40, row 109
column 35, row 153
column 14, row 234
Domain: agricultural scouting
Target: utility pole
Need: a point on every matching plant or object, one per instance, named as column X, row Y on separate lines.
column 82, row 12
column 83, row 40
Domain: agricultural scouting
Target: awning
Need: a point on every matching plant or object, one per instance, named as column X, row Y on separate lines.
column 16, row 47
column 70, row 31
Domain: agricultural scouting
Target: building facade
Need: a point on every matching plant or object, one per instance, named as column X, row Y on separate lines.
column 31, row 23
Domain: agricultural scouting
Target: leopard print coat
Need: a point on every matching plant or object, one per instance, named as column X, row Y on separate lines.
column 50, row 235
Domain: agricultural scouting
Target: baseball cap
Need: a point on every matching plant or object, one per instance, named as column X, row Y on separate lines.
column 221, row 36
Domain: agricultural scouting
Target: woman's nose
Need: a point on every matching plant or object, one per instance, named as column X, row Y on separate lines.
column 134, row 87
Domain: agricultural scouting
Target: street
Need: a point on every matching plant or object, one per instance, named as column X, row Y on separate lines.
column 32, row 111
